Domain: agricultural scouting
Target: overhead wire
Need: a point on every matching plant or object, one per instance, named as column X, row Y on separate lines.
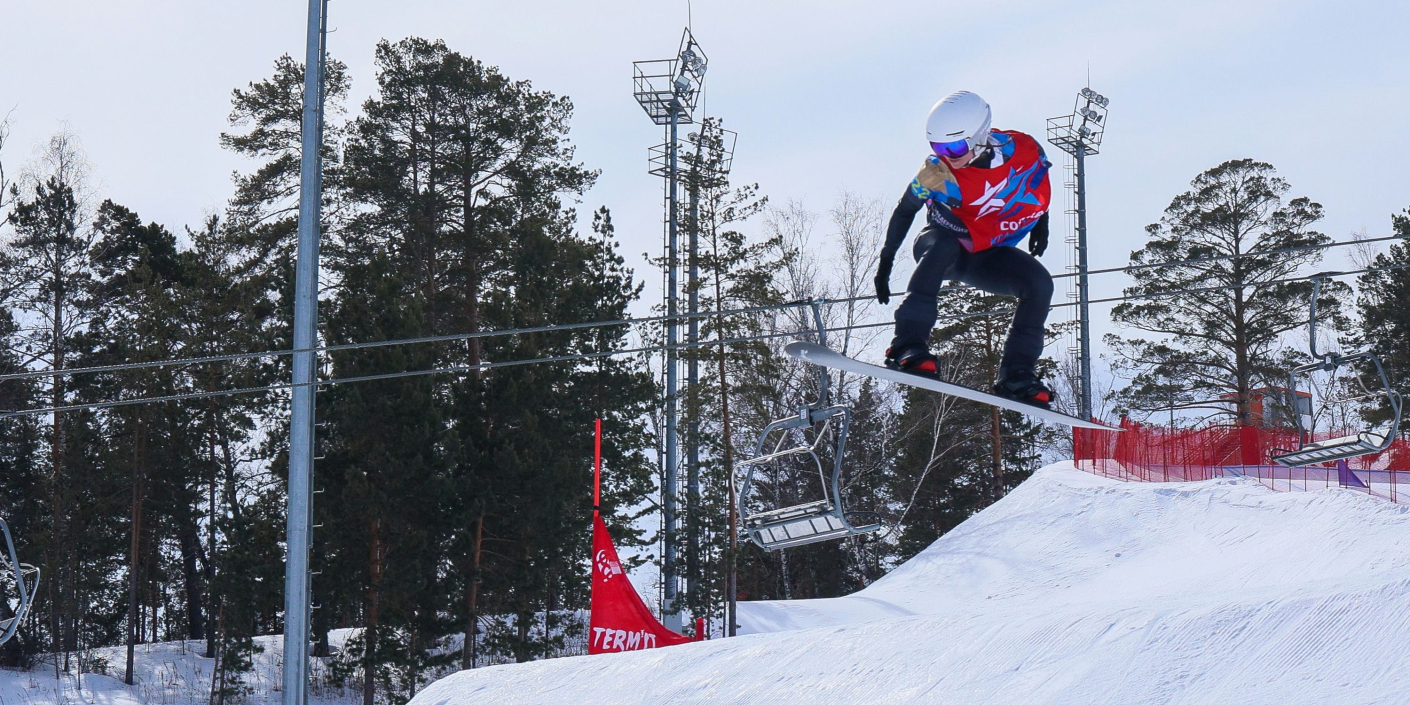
column 629, row 351
column 235, row 357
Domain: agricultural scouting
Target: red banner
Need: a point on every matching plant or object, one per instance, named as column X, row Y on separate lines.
column 620, row 620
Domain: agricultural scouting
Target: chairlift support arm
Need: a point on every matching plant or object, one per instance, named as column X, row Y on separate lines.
column 1362, row 443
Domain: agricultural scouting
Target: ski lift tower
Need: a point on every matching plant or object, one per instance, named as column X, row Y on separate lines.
column 297, row 592
column 1080, row 134
column 668, row 90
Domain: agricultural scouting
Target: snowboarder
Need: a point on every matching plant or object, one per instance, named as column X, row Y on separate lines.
column 985, row 190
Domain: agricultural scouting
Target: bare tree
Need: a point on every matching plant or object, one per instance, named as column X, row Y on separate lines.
column 1363, row 253
column 6, row 193
column 793, row 224
column 858, row 225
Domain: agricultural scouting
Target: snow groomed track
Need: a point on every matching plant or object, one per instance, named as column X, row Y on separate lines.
column 1073, row 589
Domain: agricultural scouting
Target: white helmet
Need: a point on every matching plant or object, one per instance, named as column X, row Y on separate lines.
column 958, row 124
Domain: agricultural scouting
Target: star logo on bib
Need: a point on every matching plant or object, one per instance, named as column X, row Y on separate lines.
column 991, row 200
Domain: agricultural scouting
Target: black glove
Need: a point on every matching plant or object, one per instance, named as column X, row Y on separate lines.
column 883, row 279
column 1038, row 237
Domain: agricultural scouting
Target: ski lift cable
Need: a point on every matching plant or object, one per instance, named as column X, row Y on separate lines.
column 603, row 353
column 484, row 366
column 455, row 337
column 1227, row 258
column 1138, row 297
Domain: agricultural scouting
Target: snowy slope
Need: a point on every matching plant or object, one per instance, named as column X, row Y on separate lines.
column 166, row 673
column 1073, row 589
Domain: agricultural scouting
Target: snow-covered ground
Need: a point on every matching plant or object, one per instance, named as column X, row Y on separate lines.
column 167, row 673
column 1073, row 589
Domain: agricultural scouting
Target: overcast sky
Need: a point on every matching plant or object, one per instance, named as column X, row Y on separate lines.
column 826, row 95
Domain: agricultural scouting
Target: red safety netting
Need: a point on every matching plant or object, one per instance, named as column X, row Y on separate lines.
column 1160, row 454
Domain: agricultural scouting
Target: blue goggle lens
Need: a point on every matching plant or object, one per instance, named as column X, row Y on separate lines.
column 952, row 150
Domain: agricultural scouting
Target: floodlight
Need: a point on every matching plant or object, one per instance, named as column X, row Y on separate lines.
column 668, row 89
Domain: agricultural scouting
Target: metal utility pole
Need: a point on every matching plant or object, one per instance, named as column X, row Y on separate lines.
column 1080, row 134
column 667, row 89
column 1084, row 326
column 671, row 615
column 301, row 419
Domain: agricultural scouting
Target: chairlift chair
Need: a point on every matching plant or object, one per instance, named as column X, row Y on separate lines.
column 1368, row 441
column 26, row 580
column 810, row 522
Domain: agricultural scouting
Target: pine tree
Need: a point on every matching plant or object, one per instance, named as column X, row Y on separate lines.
column 1218, row 322
column 243, row 300
column 267, row 121
column 385, row 477
column 49, row 273
column 459, row 177
column 138, row 271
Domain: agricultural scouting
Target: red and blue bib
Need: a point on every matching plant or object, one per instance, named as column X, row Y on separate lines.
column 999, row 206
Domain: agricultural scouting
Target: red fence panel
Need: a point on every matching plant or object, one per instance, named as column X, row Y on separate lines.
column 1143, row 453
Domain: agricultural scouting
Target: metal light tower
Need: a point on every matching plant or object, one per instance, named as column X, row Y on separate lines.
column 1080, row 134
column 300, row 517
column 667, row 90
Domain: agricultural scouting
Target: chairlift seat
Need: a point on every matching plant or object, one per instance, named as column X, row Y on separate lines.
column 1333, row 449
column 807, row 523
column 1363, row 443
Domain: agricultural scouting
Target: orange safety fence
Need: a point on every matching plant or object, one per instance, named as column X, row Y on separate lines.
column 1143, row 453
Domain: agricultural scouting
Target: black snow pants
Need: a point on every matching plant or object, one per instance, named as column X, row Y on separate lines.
column 1006, row 271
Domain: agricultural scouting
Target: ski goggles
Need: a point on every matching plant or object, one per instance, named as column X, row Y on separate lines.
column 951, row 150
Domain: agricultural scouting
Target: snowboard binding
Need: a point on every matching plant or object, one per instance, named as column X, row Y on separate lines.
column 915, row 359
column 1024, row 386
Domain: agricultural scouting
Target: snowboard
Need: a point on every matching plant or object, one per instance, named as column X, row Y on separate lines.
column 820, row 355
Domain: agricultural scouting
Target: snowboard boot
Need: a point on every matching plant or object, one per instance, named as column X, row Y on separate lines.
column 1024, row 386
column 914, row 358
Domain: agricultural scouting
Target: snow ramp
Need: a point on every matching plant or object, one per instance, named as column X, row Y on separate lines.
column 1072, row 589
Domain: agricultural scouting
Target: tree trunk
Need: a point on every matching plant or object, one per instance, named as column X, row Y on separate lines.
column 133, row 563
column 472, row 289
column 731, row 579
column 369, row 654
column 732, row 551
column 218, row 666
column 58, row 550
column 467, row 652
column 523, row 617
column 190, row 547
column 209, row 563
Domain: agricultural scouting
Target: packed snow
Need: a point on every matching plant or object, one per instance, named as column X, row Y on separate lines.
column 166, row 673
column 1073, row 589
